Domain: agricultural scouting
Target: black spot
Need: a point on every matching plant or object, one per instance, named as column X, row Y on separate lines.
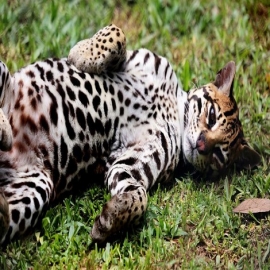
column 49, row 76
column 111, row 89
column 96, row 102
column 33, row 103
column 44, row 123
column 30, row 92
column 105, row 108
column 105, row 86
column 75, row 81
column 88, row 87
column 26, row 200
column 99, row 127
column 97, row 87
column 60, row 66
column 70, row 93
column 127, row 102
column 81, row 118
column 91, row 124
column 34, row 84
column 120, row 96
column 119, row 45
column 27, row 212
column 113, row 104
column 15, row 215
column 83, row 99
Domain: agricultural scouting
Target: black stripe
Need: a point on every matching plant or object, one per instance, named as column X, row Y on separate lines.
column 146, row 57
column 219, row 154
column 132, row 56
column 42, row 193
column 165, row 147
column 199, row 102
column 157, row 159
column 157, row 63
column 129, row 161
column 148, row 173
column 232, row 111
column 53, row 108
column 64, row 152
column 166, row 69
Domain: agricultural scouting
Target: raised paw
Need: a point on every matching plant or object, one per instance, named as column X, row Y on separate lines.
column 6, row 136
column 118, row 213
column 105, row 51
column 4, row 216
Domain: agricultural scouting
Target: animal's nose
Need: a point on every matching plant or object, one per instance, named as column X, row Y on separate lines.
column 201, row 144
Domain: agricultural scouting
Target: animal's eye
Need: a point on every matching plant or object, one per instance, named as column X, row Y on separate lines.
column 211, row 117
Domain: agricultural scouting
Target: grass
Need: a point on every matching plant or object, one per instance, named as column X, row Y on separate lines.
column 190, row 225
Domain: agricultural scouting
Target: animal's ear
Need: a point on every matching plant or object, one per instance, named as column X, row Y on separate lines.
column 248, row 158
column 224, row 79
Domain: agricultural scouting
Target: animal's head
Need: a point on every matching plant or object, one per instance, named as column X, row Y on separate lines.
column 213, row 137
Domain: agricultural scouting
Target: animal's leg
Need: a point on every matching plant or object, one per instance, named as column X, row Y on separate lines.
column 128, row 179
column 22, row 201
column 105, row 51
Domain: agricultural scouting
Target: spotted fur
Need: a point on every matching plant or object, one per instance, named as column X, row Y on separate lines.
column 129, row 123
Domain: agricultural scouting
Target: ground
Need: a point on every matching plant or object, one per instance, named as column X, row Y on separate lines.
column 189, row 225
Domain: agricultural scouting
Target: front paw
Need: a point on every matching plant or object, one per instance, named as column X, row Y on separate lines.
column 119, row 212
column 4, row 216
column 106, row 223
column 5, row 133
